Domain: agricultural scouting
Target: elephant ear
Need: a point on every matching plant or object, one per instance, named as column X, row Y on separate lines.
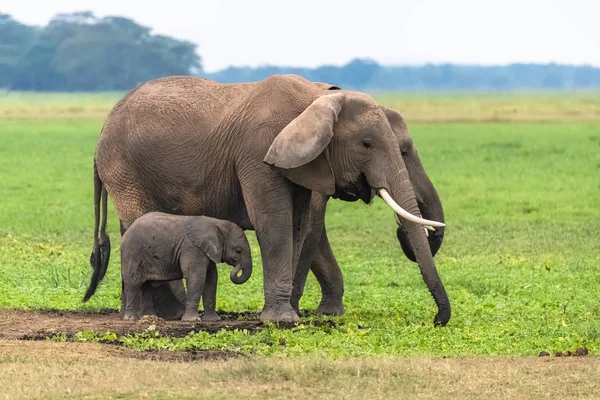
column 300, row 148
column 395, row 119
column 327, row 86
column 207, row 237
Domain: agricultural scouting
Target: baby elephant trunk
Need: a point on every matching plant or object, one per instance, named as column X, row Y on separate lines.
column 246, row 272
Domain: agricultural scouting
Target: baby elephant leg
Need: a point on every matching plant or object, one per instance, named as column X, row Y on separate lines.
column 133, row 297
column 209, row 294
column 195, row 266
column 147, row 304
column 168, row 299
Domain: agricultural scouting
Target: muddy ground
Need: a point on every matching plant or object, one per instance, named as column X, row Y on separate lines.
column 41, row 324
column 17, row 324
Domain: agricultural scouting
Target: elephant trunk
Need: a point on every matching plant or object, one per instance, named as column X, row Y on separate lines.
column 246, row 269
column 402, row 193
column 430, row 207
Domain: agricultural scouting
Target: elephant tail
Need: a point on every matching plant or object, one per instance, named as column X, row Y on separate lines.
column 101, row 252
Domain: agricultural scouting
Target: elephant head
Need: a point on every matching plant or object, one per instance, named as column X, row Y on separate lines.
column 237, row 253
column 428, row 200
column 226, row 242
column 343, row 145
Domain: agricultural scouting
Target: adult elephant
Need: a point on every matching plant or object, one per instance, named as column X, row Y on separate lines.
column 317, row 253
column 252, row 154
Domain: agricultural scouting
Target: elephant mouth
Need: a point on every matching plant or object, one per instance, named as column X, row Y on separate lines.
column 359, row 190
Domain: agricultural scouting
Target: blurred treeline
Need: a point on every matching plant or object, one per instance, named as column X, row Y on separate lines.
column 80, row 52
column 368, row 75
column 84, row 53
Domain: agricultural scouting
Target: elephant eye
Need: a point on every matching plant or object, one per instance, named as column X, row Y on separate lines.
column 367, row 143
column 238, row 251
column 404, row 152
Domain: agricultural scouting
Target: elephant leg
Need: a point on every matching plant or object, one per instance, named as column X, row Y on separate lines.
column 304, row 244
column 195, row 268
column 276, row 250
column 317, row 256
column 275, row 238
column 279, row 213
column 328, row 274
column 122, row 310
column 147, row 305
column 209, row 295
column 317, row 219
column 301, row 225
column 169, row 299
column 133, row 295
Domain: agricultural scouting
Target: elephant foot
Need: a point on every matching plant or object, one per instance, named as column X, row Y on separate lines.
column 191, row 316
column 129, row 316
column 281, row 312
column 210, row 316
column 331, row 307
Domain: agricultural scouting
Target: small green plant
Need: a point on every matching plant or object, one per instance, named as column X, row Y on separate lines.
column 94, row 337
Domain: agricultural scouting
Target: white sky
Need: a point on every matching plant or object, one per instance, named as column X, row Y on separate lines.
column 315, row 32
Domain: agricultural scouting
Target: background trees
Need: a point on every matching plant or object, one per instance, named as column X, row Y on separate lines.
column 80, row 52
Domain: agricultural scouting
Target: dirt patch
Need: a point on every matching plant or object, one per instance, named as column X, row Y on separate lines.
column 98, row 351
column 580, row 352
column 41, row 324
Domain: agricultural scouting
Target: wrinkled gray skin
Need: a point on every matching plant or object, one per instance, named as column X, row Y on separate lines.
column 317, row 254
column 252, row 154
column 161, row 247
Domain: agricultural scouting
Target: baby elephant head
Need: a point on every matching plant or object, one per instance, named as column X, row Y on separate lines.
column 236, row 252
column 223, row 241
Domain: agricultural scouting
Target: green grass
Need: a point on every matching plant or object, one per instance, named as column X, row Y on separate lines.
column 520, row 262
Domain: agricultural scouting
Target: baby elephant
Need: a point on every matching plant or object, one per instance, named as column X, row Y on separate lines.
column 161, row 247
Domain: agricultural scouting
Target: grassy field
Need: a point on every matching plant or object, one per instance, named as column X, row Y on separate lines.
column 520, row 262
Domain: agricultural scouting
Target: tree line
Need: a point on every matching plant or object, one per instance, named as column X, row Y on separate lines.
column 370, row 76
column 81, row 52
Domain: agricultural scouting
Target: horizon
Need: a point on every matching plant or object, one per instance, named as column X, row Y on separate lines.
column 428, row 32
column 420, row 65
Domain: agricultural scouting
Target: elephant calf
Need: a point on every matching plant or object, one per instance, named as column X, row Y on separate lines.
column 161, row 247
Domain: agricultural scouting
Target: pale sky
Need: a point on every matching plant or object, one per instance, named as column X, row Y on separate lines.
column 315, row 32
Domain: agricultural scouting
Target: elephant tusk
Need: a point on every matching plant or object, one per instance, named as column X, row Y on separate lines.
column 405, row 214
column 427, row 227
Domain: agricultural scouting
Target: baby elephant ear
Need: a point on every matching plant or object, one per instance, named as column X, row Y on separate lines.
column 303, row 139
column 207, row 237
